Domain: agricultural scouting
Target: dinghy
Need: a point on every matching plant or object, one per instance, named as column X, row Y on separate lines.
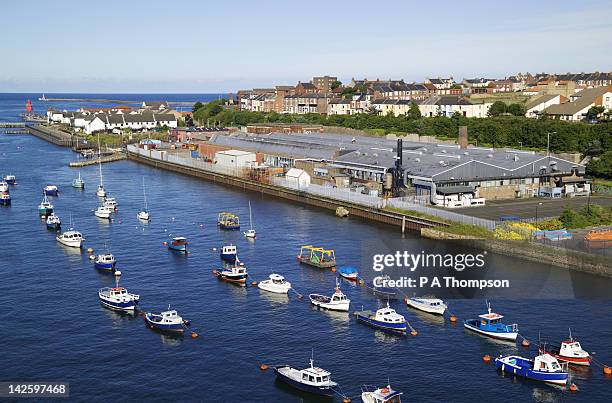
column 349, row 273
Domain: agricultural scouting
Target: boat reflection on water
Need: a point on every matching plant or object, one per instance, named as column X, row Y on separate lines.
column 171, row 340
column 274, row 297
column 119, row 318
column 427, row 317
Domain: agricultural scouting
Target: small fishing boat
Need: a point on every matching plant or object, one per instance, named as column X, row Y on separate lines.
column 101, row 192
column 385, row 394
column 544, row 368
column 276, row 284
column 50, row 190
column 4, row 187
column 45, row 207
column 386, row 293
column 490, row 325
column 384, row 318
column 349, row 273
column 228, row 221
column 430, row 305
column 78, row 182
column 105, row 261
column 569, row 351
column 317, row 257
column 103, row 212
column 110, row 202
column 312, row 379
column 144, row 214
column 118, row 298
column 178, row 244
column 250, row 233
column 167, row 321
column 10, row 179
column 337, row 302
column 5, row 198
column 53, row 222
column 229, row 253
column 71, row 238
column 235, row 274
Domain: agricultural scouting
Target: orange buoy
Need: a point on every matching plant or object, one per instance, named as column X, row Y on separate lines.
column 607, row 370
column 525, row 343
column 453, row 318
column 194, row 335
column 486, row 358
column 361, row 282
column 263, row 367
column 346, row 400
column 333, row 269
column 165, row 243
column 573, row 387
column 254, row 283
column 414, row 333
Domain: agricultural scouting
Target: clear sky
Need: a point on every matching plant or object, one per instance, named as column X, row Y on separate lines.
column 221, row 46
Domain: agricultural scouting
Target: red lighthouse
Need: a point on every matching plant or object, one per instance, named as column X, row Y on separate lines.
column 29, row 106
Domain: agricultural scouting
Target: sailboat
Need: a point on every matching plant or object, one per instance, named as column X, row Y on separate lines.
column 78, row 183
column 144, row 214
column 101, row 192
column 250, row 233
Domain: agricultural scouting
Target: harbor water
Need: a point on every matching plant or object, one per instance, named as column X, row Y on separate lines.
column 54, row 329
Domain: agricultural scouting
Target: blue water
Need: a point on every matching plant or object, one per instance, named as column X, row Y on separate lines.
column 53, row 328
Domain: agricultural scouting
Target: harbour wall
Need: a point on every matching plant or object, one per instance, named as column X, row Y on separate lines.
column 369, row 213
column 56, row 137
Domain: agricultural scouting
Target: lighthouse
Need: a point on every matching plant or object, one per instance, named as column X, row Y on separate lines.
column 28, row 106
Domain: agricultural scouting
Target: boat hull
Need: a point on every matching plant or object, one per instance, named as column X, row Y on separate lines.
column 103, row 215
column 228, row 257
column 178, row 328
column 319, row 265
column 10, row 181
column 5, row 202
column 425, row 308
column 229, row 227
column 582, row 361
column 50, row 192
column 274, row 288
column 350, row 277
column 330, row 306
column 54, row 227
column 104, row 266
column 507, row 336
column 118, row 306
column 557, row 378
column 177, row 248
column 392, row 327
column 321, row 391
column 236, row 279
column 70, row 243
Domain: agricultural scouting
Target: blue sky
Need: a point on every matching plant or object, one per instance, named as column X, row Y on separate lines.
column 198, row 46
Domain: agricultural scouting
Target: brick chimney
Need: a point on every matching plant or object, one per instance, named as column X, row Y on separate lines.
column 463, row 137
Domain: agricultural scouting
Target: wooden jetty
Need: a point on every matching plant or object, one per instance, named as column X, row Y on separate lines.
column 93, row 161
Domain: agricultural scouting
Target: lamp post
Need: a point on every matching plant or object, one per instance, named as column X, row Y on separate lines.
column 548, row 143
column 536, row 217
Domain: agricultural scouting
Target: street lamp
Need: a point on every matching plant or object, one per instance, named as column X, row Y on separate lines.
column 536, row 217
column 548, row 143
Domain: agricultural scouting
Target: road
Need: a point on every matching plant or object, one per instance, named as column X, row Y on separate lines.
column 526, row 208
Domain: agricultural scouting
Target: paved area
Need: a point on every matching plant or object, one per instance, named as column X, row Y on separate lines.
column 526, row 208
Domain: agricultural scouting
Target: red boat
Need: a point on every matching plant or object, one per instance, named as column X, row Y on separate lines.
column 236, row 274
column 569, row 351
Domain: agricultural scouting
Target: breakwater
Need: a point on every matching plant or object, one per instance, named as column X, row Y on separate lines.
column 56, row 137
column 405, row 222
column 93, row 161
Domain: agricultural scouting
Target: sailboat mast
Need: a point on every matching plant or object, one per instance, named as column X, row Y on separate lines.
column 144, row 194
column 250, row 216
column 100, row 161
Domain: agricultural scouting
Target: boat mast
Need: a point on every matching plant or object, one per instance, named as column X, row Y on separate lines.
column 144, row 194
column 100, row 161
column 250, row 216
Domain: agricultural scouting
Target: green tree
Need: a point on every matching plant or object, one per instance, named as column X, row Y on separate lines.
column 516, row 109
column 595, row 111
column 497, row 108
column 414, row 112
column 601, row 167
column 335, row 84
column 197, row 106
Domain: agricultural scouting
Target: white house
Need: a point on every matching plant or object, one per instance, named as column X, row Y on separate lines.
column 339, row 107
column 448, row 105
column 235, row 159
column 298, row 177
column 538, row 104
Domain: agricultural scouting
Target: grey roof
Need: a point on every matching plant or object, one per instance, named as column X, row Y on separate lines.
column 540, row 99
column 446, row 100
column 584, row 99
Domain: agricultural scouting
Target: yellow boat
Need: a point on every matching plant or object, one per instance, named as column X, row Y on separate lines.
column 317, row 257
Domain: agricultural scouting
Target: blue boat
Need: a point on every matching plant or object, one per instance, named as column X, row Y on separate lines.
column 544, row 368
column 313, row 379
column 229, row 253
column 385, row 319
column 53, row 222
column 50, row 190
column 167, row 321
column 349, row 273
column 118, row 298
column 105, row 261
column 178, row 244
column 490, row 325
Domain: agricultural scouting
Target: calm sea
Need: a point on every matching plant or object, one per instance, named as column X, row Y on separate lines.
column 53, row 328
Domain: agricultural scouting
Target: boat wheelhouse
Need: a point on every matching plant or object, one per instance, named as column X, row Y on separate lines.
column 105, row 261
column 110, row 202
column 372, row 394
column 569, row 351
column 317, row 257
column 228, row 221
column 71, row 238
column 10, row 179
column 178, row 243
column 53, row 222
column 312, row 379
column 45, row 207
column 336, row 302
column 118, row 298
column 167, row 321
column 276, row 284
column 50, row 190
column 4, row 187
column 490, row 325
column 237, row 273
column 430, row 305
column 5, row 198
column 544, row 368
column 229, row 253
column 384, row 318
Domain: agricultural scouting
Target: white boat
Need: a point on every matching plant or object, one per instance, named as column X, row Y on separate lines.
column 118, row 298
column 78, row 183
column 71, row 238
column 312, row 379
column 42, row 98
column 380, row 395
column 53, row 222
column 103, row 212
column 250, row 233
column 144, row 214
column 430, row 305
column 10, row 179
column 101, row 192
column 337, row 302
column 45, row 207
column 276, row 284
column 110, row 202
column 4, row 187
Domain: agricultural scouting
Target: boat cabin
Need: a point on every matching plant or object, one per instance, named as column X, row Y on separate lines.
column 228, row 219
column 571, row 348
column 229, row 250
column 69, row 235
column 106, row 258
column 315, row 376
column 179, row 240
column 277, row 279
column 338, row 296
column 546, row 362
column 389, row 315
column 490, row 319
column 170, row 317
column 117, row 292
